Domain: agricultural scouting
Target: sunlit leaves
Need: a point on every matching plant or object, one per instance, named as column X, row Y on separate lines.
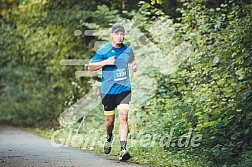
column 156, row 1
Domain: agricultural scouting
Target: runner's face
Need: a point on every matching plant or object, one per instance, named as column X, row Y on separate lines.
column 117, row 37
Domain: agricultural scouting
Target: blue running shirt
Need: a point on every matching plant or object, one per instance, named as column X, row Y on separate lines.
column 115, row 78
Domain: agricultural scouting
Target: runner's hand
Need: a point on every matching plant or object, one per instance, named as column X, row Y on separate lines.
column 133, row 66
column 110, row 61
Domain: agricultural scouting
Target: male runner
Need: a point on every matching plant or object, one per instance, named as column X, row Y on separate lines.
column 114, row 59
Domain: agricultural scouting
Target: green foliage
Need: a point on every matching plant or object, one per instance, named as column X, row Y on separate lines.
column 156, row 1
column 33, row 84
column 209, row 93
column 223, row 70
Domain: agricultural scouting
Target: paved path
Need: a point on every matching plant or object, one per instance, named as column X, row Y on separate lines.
column 20, row 148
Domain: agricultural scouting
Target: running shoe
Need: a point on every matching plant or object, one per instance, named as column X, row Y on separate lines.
column 124, row 155
column 107, row 145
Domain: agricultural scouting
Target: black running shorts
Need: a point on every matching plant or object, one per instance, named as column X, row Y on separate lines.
column 111, row 101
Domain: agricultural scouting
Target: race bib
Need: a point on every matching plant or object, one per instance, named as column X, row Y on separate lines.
column 120, row 74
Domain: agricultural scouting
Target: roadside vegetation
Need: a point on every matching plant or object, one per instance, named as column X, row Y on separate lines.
column 207, row 98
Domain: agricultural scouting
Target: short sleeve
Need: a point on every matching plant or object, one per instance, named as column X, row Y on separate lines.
column 97, row 58
column 131, row 55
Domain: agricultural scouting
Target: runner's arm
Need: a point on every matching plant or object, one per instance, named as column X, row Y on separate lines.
column 97, row 65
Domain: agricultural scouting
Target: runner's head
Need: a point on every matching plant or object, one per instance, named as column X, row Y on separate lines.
column 117, row 35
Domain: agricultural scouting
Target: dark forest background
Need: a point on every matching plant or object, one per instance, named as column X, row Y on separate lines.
column 210, row 92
